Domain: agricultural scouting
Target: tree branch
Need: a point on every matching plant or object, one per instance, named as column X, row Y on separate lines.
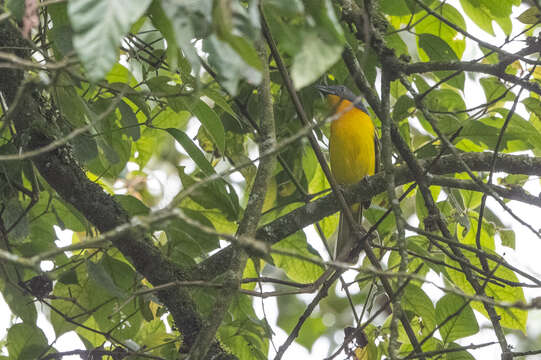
column 64, row 175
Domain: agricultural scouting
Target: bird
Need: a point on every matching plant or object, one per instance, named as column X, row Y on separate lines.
column 354, row 154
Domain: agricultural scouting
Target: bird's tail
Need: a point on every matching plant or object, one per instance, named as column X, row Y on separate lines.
column 347, row 240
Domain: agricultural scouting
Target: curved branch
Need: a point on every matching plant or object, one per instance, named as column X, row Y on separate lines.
column 494, row 70
column 66, row 177
column 308, row 214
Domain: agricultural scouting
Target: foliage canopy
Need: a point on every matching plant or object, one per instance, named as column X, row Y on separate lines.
column 149, row 129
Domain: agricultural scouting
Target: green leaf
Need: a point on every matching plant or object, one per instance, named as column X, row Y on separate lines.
column 246, row 51
column 229, row 66
column 307, row 67
column 211, row 122
column 16, row 7
column 508, row 238
column 286, row 7
column 530, row 16
column 216, row 194
column 478, row 14
column 436, row 27
column 458, row 325
column 98, row 29
column 495, row 91
column 26, row 341
column 129, row 121
column 512, row 318
column 297, row 269
column 20, row 303
column 188, row 20
column 448, row 100
column 61, row 33
column 416, row 300
column 14, row 216
column 188, row 241
column 195, row 154
column 68, row 218
column 402, row 7
column 483, row 12
column 438, row 50
column 458, row 355
column 255, row 332
column 220, row 100
column 132, row 205
column 101, row 277
column 533, row 105
column 403, row 108
column 161, row 22
column 395, row 7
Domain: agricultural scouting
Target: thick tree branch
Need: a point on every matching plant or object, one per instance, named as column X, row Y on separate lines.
column 64, row 175
column 310, row 213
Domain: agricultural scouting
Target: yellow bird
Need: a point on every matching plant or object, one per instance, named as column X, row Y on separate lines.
column 354, row 153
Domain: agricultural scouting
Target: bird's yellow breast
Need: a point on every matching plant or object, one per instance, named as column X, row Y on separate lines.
column 352, row 145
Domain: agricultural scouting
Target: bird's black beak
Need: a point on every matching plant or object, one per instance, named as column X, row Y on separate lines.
column 325, row 90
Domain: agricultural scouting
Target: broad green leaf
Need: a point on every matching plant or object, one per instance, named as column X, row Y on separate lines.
column 188, row 241
column 434, row 26
column 416, row 300
column 458, row 355
column 129, row 121
column 217, row 189
column 445, row 100
column 71, row 104
column 99, row 26
column 403, row 108
column 250, row 339
column 14, row 218
column 245, row 50
column 101, row 277
column 132, row 205
column 16, row 7
column 496, row 91
column 512, row 318
column 20, row 303
column 438, row 50
column 402, row 7
column 530, row 16
column 211, row 122
column 297, row 269
column 286, row 7
column 508, row 238
column 67, row 217
column 220, row 100
column 479, row 14
column 483, row 12
column 86, row 295
column 395, row 7
column 229, row 65
column 91, row 339
column 397, row 43
column 457, row 325
column 307, row 68
column 326, row 40
column 154, row 334
column 26, row 341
